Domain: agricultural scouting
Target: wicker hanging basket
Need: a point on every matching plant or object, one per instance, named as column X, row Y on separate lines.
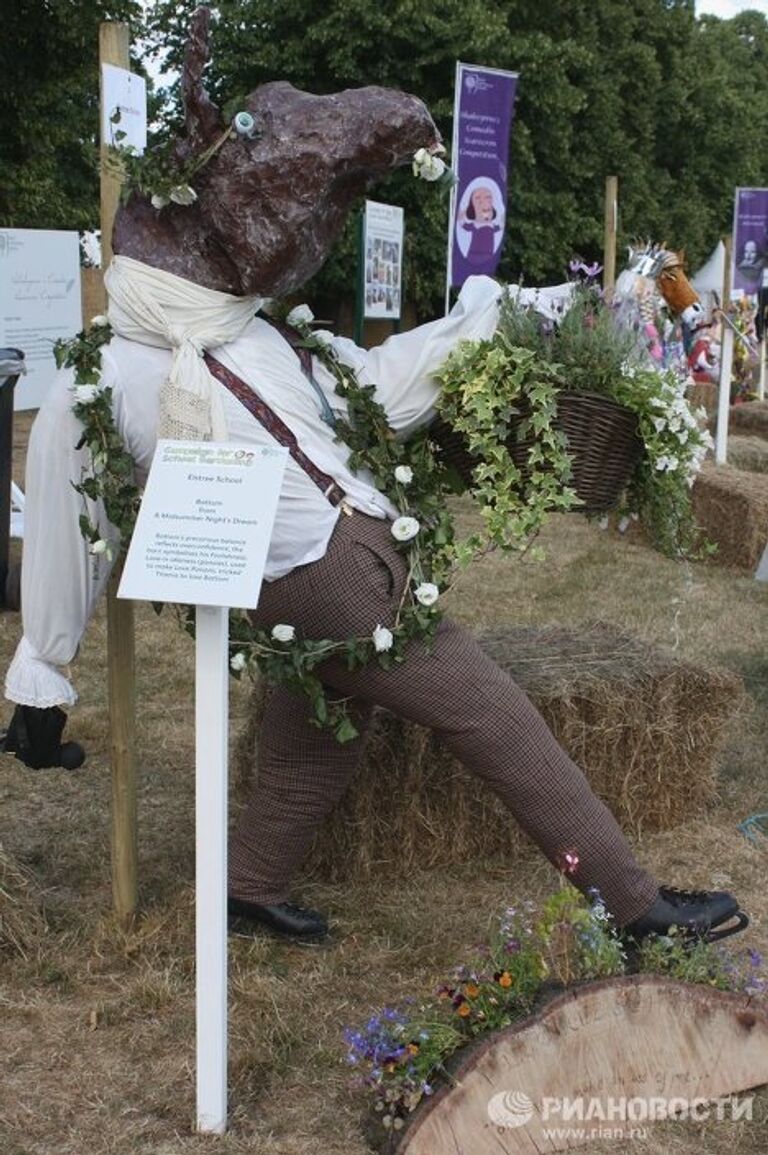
column 603, row 440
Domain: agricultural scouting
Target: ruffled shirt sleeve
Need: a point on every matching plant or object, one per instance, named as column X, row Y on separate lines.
column 61, row 579
column 403, row 368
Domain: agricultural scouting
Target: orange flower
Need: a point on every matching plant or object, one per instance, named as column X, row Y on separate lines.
column 505, row 979
column 413, row 1048
column 464, row 1010
column 389, row 1067
column 472, row 990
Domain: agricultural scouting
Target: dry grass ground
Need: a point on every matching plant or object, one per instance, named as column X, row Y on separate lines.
column 97, row 1037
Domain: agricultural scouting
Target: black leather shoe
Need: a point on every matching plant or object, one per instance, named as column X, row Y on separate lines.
column 296, row 923
column 695, row 913
column 34, row 736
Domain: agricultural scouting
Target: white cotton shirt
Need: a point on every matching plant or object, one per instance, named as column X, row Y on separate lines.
column 62, row 580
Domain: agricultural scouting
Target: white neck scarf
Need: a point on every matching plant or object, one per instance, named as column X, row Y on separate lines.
column 161, row 309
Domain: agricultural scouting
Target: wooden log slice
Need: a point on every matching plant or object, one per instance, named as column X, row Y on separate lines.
column 636, row 1043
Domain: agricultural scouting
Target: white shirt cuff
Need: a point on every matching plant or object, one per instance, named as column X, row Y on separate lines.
column 30, row 681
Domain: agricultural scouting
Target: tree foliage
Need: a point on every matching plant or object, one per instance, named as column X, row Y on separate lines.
column 49, row 110
column 674, row 106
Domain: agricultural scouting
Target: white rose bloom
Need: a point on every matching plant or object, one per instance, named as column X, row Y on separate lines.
column 302, row 314
column 283, row 633
column 404, row 528
column 661, row 463
column 404, row 474
column 432, row 168
column 99, row 321
column 238, row 661
column 99, row 546
column 660, row 423
column 158, row 202
column 84, row 394
column 427, row 593
column 682, row 436
column 183, row 194
column 382, row 639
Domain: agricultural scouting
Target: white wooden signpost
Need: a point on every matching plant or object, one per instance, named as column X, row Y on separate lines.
column 201, row 539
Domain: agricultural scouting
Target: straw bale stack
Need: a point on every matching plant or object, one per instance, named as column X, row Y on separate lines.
column 749, row 417
column 646, row 728
column 731, row 506
column 749, row 453
column 703, row 394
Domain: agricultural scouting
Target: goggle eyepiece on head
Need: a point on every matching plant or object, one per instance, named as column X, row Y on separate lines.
column 244, row 125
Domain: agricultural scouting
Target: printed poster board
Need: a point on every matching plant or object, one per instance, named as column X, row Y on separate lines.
column 383, row 233
column 39, row 303
column 750, row 241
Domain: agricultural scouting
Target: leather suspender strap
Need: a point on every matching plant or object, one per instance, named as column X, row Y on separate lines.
column 274, row 425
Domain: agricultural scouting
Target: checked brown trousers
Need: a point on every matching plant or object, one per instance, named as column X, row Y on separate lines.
column 455, row 689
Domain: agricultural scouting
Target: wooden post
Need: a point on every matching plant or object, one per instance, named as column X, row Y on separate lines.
column 114, row 45
column 611, row 228
column 726, row 363
column 114, row 48
column 360, row 289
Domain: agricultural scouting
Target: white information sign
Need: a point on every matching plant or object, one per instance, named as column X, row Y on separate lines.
column 201, row 538
column 124, row 108
column 203, row 530
column 383, row 230
column 39, row 302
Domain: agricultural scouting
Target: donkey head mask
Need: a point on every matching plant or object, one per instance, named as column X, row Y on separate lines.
column 270, row 207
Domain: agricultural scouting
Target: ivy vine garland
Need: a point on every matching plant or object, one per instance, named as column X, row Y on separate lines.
column 408, row 473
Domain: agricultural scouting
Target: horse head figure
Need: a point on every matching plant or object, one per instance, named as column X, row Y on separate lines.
column 665, row 267
column 271, row 201
column 652, row 281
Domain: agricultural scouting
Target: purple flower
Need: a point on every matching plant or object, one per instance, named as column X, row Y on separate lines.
column 577, row 267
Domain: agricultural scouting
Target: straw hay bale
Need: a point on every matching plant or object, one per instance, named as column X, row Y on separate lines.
column 645, row 726
column 703, row 394
column 749, row 417
column 22, row 924
column 749, row 453
column 731, row 506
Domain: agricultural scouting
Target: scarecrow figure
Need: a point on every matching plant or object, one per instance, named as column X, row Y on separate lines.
column 191, row 353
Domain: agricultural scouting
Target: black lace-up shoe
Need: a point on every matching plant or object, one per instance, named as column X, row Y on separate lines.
column 296, row 923
column 694, row 913
column 34, row 736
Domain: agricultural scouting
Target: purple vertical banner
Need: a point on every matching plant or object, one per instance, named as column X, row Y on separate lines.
column 482, row 120
column 750, row 240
